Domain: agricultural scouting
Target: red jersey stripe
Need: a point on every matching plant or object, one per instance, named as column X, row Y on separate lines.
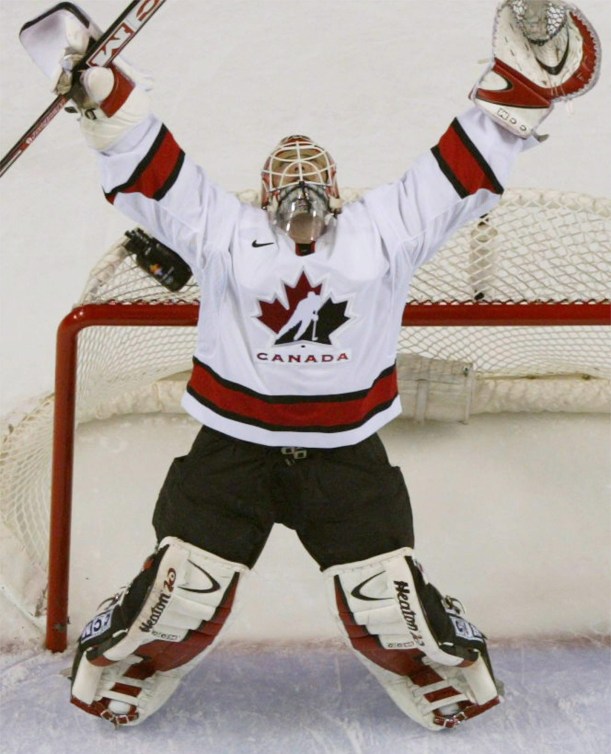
column 157, row 172
column 331, row 413
column 463, row 164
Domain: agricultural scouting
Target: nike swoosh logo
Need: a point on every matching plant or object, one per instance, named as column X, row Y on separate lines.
column 554, row 70
column 258, row 245
column 215, row 586
column 357, row 592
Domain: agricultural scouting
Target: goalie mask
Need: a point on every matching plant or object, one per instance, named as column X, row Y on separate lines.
column 299, row 188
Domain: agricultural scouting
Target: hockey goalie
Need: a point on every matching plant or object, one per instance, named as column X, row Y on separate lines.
column 294, row 370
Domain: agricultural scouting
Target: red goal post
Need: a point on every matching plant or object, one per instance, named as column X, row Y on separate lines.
column 516, row 303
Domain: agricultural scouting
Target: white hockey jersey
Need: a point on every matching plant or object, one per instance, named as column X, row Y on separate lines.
column 300, row 350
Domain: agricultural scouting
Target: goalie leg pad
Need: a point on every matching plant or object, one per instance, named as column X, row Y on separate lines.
column 430, row 659
column 133, row 654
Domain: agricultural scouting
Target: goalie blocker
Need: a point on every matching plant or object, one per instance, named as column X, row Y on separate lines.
column 111, row 101
column 430, row 659
column 133, row 654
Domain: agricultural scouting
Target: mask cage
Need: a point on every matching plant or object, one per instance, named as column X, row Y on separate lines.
column 297, row 160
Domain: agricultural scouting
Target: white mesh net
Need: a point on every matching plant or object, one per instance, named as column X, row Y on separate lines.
column 539, row 20
column 536, row 246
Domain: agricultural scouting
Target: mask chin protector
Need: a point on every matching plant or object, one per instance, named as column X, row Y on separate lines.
column 302, row 212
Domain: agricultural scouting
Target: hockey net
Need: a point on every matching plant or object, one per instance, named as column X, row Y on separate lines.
column 509, row 316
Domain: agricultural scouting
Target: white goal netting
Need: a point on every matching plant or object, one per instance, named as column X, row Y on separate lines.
column 536, row 248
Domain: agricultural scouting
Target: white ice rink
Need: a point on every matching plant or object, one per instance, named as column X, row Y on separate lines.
column 512, row 512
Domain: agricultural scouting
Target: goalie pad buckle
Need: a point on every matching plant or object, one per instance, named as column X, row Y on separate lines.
column 133, row 654
column 430, row 659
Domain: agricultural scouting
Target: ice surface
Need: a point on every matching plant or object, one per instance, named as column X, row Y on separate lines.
column 263, row 699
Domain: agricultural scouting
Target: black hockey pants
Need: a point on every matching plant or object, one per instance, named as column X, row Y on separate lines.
column 345, row 504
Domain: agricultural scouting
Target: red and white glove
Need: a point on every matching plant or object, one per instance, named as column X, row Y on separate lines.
column 544, row 51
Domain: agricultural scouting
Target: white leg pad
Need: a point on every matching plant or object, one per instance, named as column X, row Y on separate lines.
column 431, row 661
column 133, row 654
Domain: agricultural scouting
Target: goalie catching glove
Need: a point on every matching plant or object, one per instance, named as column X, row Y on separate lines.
column 544, row 51
column 133, row 654
column 429, row 658
column 108, row 100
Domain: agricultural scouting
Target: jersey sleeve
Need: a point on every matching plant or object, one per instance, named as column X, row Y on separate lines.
column 461, row 178
column 148, row 177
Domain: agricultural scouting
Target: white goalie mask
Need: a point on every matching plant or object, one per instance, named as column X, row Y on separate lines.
column 299, row 188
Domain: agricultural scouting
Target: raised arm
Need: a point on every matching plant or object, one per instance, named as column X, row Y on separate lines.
column 542, row 52
column 144, row 171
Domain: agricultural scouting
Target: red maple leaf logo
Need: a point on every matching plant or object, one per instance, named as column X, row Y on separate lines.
column 275, row 315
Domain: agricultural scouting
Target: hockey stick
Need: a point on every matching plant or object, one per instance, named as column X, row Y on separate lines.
column 119, row 34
